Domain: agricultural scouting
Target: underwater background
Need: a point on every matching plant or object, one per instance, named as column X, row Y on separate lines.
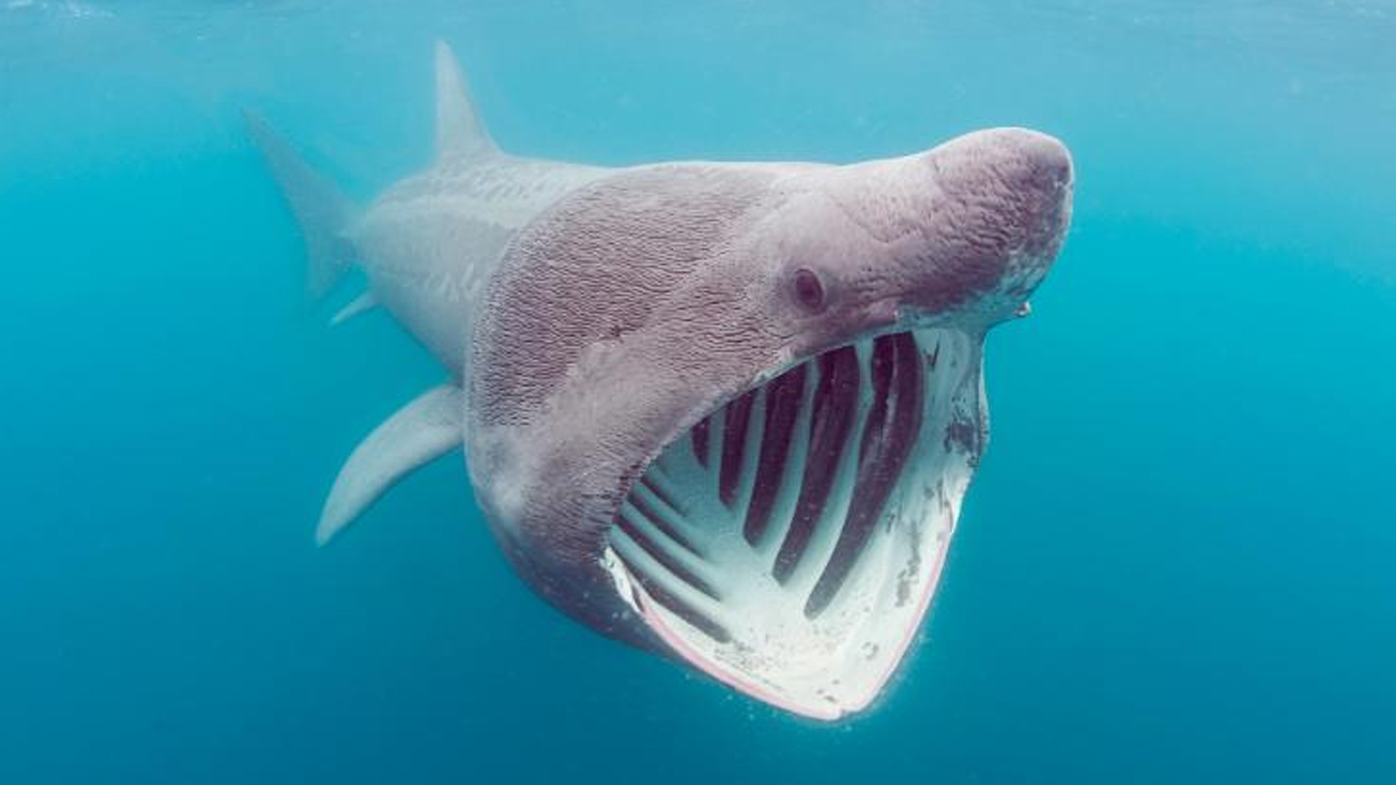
column 1177, row 563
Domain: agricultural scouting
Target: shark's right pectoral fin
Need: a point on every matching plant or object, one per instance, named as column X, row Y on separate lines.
column 418, row 433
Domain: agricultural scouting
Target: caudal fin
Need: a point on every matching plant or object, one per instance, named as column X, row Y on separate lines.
column 322, row 212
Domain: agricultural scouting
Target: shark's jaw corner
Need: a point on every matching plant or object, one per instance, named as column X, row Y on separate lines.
column 789, row 544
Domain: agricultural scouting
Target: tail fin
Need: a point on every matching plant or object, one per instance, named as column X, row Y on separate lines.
column 321, row 210
column 459, row 132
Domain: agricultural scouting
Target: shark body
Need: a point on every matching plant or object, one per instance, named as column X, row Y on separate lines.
column 723, row 412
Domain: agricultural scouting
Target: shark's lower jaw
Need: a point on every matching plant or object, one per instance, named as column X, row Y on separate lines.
column 789, row 544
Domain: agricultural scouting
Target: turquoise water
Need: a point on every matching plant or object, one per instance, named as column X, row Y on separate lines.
column 1175, row 564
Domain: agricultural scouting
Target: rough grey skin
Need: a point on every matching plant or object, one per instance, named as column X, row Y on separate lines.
column 589, row 318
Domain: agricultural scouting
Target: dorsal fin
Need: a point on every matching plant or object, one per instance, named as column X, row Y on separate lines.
column 459, row 132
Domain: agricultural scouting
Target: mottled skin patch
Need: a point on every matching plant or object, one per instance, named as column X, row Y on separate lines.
column 660, row 230
column 430, row 244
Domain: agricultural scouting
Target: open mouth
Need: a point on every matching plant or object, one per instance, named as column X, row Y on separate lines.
column 789, row 543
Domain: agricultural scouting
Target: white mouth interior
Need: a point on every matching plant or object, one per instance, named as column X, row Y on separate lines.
column 789, row 544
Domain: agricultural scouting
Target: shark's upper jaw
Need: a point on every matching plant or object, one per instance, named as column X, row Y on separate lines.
column 789, row 544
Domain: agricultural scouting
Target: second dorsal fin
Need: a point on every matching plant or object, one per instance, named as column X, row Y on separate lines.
column 459, row 132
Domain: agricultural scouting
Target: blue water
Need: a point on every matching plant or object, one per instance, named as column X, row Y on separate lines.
column 1177, row 565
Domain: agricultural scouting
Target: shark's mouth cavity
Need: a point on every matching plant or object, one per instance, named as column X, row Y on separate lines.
column 788, row 545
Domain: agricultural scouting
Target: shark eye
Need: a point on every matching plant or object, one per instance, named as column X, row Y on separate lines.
column 809, row 292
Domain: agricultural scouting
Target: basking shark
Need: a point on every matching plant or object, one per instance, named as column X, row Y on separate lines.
column 725, row 412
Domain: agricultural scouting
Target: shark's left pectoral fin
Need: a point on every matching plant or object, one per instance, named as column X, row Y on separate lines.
column 418, row 433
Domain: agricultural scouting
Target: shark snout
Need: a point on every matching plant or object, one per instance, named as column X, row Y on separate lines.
column 1045, row 161
column 1041, row 171
column 1019, row 183
column 1000, row 208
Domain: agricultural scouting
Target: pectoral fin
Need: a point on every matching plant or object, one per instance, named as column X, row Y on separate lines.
column 420, row 432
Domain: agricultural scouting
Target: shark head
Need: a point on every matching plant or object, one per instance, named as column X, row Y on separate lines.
column 728, row 413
